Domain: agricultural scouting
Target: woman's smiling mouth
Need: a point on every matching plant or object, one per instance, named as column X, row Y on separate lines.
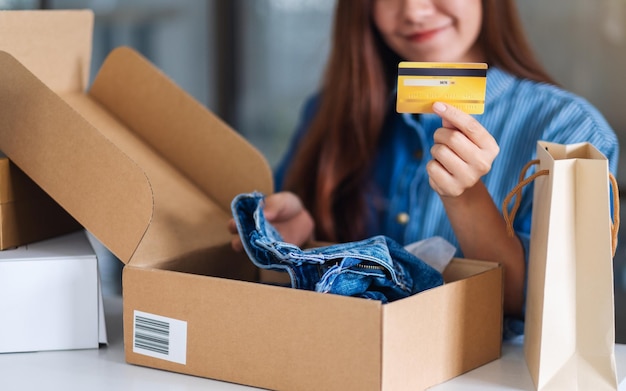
column 424, row 35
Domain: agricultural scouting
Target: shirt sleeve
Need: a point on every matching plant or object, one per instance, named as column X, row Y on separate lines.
column 577, row 121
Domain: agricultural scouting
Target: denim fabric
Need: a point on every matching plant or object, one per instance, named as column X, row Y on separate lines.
column 376, row 268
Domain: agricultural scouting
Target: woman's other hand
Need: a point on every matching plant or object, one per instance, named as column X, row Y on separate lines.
column 285, row 212
column 463, row 152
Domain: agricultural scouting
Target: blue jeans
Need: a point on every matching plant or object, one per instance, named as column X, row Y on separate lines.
column 375, row 268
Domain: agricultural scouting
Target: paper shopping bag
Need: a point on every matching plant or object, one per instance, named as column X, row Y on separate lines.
column 569, row 327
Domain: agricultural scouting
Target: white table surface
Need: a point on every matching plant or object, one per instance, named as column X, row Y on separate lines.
column 105, row 369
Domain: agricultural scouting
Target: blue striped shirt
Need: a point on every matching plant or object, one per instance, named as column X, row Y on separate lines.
column 518, row 113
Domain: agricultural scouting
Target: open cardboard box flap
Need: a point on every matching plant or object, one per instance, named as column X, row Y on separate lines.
column 181, row 164
column 151, row 173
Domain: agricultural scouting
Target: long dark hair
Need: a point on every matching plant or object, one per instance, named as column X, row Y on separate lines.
column 330, row 168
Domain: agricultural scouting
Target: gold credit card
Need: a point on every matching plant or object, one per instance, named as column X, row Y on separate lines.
column 420, row 84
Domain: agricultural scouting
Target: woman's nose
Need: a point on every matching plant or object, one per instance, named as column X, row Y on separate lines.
column 418, row 10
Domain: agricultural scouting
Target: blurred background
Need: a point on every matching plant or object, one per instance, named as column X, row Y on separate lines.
column 254, row 62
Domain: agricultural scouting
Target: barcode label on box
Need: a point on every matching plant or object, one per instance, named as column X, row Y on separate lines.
column 160, row 337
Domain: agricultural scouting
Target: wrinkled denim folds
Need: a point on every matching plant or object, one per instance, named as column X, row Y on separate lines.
column 375, row 268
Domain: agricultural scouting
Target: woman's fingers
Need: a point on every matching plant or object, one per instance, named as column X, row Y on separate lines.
column 463, row 152
column 285, row 212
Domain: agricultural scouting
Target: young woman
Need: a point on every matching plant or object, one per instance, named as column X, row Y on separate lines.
column 357, row 168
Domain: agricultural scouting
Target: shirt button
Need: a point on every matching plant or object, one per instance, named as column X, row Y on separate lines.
column 403, row 218
column 417, row 155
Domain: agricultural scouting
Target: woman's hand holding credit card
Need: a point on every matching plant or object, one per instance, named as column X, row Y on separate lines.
column 463, row 150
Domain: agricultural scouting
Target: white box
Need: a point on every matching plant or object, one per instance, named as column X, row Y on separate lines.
column 50, row 298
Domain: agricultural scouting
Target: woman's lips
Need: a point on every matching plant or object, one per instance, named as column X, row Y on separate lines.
column 424, row 36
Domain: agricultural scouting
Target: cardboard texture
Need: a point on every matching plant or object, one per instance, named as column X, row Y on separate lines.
column 27, row 213
column 151, row 173
column 50, row 297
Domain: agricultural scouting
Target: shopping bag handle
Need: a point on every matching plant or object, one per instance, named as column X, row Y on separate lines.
column 616, row 219
column 509, row 215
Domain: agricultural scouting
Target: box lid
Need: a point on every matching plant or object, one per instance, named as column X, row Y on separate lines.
column 136, row 160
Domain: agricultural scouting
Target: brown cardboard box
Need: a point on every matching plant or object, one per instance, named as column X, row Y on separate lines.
column 27, row 213
column 151, row 173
